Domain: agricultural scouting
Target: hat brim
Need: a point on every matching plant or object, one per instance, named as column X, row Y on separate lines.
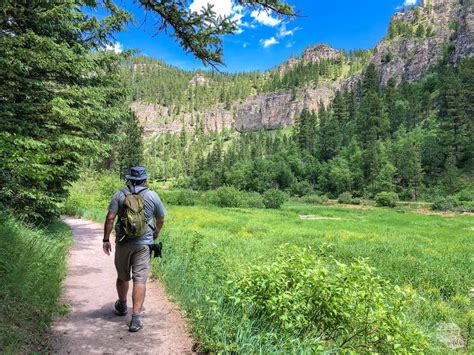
column 130, row 177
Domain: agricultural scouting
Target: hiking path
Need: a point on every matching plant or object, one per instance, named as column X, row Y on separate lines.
column 91, row 325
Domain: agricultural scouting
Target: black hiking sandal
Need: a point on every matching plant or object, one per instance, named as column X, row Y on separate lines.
column 119, row 309
column 135, row 325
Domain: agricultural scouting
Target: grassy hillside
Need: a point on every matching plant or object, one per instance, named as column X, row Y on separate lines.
column 216, row 258
column 32, row 266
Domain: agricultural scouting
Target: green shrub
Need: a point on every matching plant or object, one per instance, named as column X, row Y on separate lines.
column 301, row 188
column 356, row 201
column 252, row 200
column 452, row 203
column 346, row 308
column 345, row 197
column 449, row 203
column 314, row 199
column 274, row 198
column 386, row 199
column 108, row 184
column 185, row 198
column 465, row 195
column 228, row 196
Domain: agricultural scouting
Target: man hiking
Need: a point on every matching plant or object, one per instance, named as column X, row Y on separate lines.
column 141, row 217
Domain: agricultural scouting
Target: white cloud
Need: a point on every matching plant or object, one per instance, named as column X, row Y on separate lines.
column 268, row 42
column 283, row 32
column 409, row 2
column 245, row 45
column 290, row 44
column 116, row 47
column 265, row 18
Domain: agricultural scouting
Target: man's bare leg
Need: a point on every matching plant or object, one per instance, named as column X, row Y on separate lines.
column 138, row 296
column 122, row 290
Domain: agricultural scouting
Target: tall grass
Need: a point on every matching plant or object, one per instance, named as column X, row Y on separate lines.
column 32, row 266
column 208, row 250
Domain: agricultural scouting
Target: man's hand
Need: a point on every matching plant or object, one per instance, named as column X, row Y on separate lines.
column 109, row 224
column 107, row 247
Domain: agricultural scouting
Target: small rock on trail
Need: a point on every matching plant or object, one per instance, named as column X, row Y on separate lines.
column 91, row 326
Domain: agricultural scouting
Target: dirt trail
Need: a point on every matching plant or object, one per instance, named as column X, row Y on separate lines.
column 89, row 289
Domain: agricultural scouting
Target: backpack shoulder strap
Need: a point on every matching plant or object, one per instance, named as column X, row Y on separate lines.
column 126, row 191
column 143, row 191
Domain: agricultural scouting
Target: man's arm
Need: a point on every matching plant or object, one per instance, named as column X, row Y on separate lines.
column 160, row 221
column 109, row 224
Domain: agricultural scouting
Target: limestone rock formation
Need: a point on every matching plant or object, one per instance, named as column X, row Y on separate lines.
column 278, row 110
column 408, row 58
column 313, row 54
column 199, row 80
column 156, row 119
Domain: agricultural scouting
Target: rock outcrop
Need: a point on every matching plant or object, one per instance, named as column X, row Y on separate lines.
column 199, row 80
column 465, row 36
column 278, row 110
column 407, row 59
column 313, row 54
column 156, row 119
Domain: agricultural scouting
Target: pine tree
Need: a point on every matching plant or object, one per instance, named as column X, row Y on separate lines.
column 420, row 31
column 60, row 97
column 392, row 30
column 372, row 121
column 454, row 122
column 130, row 149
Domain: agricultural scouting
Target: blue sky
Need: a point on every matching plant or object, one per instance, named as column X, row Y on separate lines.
column 265, row 41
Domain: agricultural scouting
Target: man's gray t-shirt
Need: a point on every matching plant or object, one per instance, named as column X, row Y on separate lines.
column 153, row 208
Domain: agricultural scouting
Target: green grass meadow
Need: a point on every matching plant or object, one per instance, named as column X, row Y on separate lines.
column 208, row 251
column 32, row 266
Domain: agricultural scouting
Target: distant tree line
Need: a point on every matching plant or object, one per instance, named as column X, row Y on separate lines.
column 412, row 138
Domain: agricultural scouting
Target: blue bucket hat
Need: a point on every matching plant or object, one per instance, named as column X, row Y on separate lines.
column 137, row 173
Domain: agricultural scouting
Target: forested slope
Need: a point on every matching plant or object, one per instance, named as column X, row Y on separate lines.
column 397, row 118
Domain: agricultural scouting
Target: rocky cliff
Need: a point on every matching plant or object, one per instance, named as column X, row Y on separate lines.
column 415, row 41
column 156, row 119
column 313, row 54
column 278, row 110
column 427, row 29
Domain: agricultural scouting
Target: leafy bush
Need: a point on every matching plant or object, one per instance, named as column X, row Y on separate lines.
column 347, row 308
column 179, row 197
column 452, row 203
column 301, row 188
column 274, row 198
column 252, row 200
column 228, row 196
column 445, row 204
column 345, row 197
column 314, row 199
column 356, row 201
column 108, row 184
column 465, row 195
column 386, row 199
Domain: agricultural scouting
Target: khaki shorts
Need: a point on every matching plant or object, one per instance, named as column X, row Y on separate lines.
column 134, row 259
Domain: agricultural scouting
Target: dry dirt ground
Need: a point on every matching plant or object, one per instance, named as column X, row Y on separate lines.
column 91, row 325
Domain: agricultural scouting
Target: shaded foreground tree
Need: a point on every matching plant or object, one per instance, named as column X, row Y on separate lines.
column 58, row 98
